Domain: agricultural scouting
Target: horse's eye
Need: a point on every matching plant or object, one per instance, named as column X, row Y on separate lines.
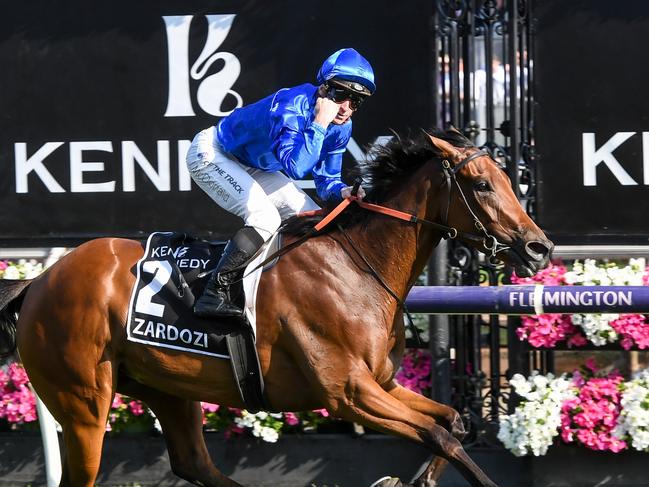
column 482, row 186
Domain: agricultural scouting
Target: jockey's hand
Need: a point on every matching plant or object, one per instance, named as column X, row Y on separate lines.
column 347, row 192
column 325, row 111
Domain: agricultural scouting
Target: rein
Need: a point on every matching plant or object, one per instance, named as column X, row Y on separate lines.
column 489, row 241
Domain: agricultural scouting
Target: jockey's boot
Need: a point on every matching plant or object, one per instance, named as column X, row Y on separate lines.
column 215, row 300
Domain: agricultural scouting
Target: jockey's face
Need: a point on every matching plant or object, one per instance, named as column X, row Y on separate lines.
column 344, row 113
column 348, row 101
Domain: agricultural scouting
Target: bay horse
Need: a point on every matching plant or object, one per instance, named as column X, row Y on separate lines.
column 330, row 334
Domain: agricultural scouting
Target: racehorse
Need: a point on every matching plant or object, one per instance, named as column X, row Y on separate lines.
column 330, row 327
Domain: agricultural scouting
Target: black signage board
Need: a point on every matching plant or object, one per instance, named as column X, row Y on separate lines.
column 100, row 100
column 592, row 120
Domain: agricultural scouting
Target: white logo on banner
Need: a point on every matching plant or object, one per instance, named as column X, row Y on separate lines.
column 593, row 157
column 213, row 89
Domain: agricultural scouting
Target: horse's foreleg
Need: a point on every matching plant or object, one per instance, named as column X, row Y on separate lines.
column 369, row 404
column 444, row 415
column 182, row 425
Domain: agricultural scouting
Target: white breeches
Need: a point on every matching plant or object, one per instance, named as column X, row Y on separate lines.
column 262, row 199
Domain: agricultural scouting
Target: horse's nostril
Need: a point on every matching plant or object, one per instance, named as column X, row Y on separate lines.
column 537, row 250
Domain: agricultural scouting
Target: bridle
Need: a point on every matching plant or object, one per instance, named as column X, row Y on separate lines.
column 488, row 241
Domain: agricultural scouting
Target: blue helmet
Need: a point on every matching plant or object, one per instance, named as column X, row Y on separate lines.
column 347, row 64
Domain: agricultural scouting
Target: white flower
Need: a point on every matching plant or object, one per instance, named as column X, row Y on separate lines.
column 540, row 381
column 255, row 423
column 520, row 384
column 32, row 269
column 269, row 434
column 261, row 415
column 246, row 420
column 633, row 421
column 11, row 272
column 535, row 422
column 591, row 274
column 596, row 327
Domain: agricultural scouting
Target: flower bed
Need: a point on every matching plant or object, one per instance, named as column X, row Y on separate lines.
column 21, row 269
column 550, row 330
column 599, row 411
column 18, row 407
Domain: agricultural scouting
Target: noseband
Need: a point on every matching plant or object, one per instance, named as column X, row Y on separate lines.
column 489, row 241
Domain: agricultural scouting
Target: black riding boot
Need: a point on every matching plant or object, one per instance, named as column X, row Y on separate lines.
column 215, row 300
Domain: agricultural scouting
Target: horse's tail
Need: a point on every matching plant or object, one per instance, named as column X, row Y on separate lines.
column 11, row 297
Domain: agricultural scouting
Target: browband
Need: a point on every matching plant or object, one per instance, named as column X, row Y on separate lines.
column 464, row 162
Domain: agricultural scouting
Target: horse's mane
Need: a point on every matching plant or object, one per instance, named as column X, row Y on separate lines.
column 385, row 166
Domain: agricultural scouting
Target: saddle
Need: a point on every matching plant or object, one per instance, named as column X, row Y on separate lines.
column 169, row 278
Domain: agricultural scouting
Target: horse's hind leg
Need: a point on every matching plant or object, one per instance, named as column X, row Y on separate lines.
column 182, row 425
column 82, row 447
column 82, row 410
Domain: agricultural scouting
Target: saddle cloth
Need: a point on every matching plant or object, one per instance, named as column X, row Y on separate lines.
column 167, row 284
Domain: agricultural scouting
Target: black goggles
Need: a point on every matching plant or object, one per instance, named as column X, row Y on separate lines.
column 339, row 94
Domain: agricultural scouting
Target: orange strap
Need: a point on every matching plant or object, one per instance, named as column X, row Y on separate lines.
column 388, row 211
column 334, row 213
column 368, row 206
column 304, row 214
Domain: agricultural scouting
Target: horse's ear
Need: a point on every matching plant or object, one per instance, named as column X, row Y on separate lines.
column 451, row 128
column 446, row 149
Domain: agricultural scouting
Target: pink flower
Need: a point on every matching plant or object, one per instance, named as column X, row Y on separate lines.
column 553, row 275
column 17, row 402
column 633, row 330
column 17, row 374
column 136, row 408
column 322, row 412
column 291, row 419
column 591, row 416
column 18, row 406
column 414, row 373
column 577, row 340
column 117, row 401
column 232, row 430
column 549, row 329
column 591, row 365
column 209, row 407
column 3, row 265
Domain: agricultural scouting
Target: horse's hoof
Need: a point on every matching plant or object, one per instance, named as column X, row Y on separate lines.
column 389, row 482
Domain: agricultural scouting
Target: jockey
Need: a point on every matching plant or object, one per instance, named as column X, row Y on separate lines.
column 246, row 163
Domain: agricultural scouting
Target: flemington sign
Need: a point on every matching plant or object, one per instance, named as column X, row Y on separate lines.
column 591, row 122
column 100, row 104
column 528, row 300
